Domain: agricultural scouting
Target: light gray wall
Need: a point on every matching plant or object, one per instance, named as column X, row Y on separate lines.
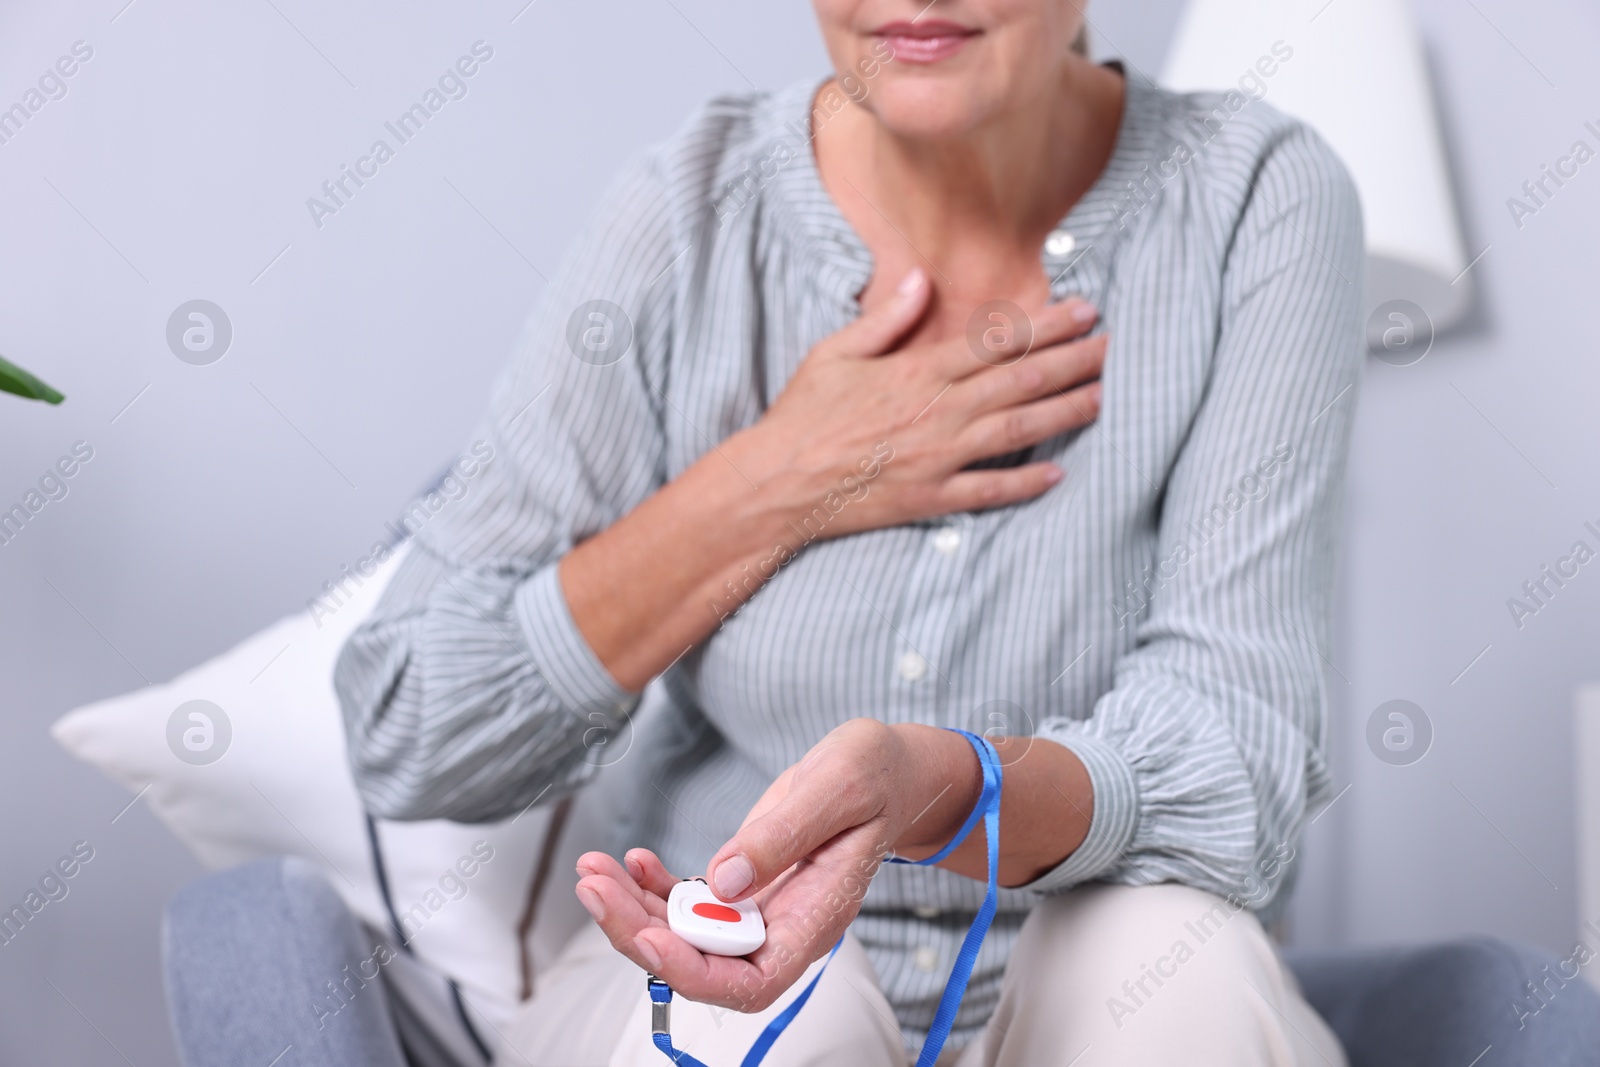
column 177, row 167
column 1470, row 471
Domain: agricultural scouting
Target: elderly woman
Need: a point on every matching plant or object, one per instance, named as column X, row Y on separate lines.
column 976, row 386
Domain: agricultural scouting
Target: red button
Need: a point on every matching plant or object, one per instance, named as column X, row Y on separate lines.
column 716, row 911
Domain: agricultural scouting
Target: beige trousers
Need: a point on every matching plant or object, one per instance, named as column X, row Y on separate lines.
column 1103, row 976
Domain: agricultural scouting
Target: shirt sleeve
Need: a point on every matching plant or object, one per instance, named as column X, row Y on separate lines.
column 1208, row 752
column 470, row 692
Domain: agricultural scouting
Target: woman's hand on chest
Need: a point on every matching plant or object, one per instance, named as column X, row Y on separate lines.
column 880, row 434
column 869, row 433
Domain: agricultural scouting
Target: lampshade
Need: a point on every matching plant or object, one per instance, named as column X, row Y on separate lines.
column 1354, row 71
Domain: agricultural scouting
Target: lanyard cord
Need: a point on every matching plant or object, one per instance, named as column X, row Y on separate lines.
column 987, row 809
column 660, row 1029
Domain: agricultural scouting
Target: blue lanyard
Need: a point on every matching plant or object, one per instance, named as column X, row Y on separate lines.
column 988, row 809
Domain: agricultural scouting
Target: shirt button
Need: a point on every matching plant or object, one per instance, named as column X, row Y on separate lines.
column 1060, row 243
column 947, row 540
column 926, row 958
column 912, row 666
column 925, row 911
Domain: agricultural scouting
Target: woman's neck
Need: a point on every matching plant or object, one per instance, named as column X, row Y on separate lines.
column 1006, row 184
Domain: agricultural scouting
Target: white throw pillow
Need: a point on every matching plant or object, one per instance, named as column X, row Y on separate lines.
column 244, row 757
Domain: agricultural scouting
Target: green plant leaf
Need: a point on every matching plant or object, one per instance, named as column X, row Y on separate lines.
column 13, row 379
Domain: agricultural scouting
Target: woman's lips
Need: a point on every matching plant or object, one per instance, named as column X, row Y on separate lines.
column 925, row 42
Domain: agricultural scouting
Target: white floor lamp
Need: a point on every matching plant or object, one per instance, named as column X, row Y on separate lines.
column 1356, row 73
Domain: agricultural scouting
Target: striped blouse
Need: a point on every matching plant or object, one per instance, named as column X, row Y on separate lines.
column 1161, row 611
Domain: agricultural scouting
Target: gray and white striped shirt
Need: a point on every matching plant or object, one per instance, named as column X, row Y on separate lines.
column 1160, row 611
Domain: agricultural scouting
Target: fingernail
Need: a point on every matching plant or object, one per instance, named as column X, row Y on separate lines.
column 1053, row 475
column 591, row 903
column 1084, row 313
column 732, row 877
column 910, row 283
column 647, row 952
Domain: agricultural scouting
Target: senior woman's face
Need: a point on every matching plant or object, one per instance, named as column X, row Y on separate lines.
column 957, row 63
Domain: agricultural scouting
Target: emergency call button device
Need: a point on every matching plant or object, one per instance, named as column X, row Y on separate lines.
column 695, row 914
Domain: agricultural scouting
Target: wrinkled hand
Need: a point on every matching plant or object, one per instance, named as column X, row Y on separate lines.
column 909, row 421
column 806, row 852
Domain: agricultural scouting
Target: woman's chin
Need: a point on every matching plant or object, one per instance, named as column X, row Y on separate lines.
column 929, row 108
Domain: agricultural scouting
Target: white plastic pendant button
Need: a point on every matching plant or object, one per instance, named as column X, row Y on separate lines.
column 695, row 914
column 1060, row 243
column 947, row 540
column 925, row 911
column 926, row 958
column 912, row 666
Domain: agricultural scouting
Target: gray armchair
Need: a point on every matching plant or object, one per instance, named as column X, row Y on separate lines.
column 1472, row 1003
